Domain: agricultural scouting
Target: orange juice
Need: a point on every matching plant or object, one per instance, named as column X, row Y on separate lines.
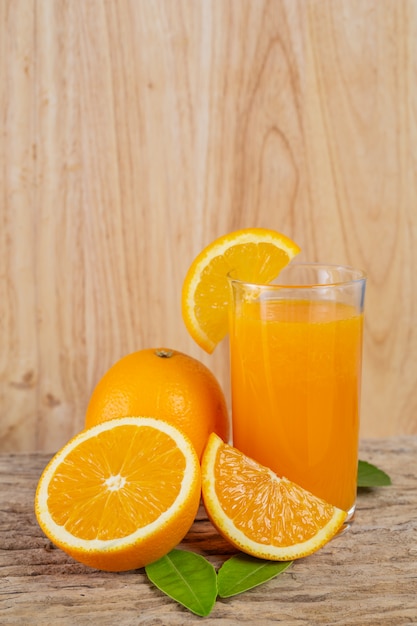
column 295, row 367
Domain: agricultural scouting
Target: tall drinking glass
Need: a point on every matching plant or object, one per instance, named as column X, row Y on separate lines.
column 296, row 353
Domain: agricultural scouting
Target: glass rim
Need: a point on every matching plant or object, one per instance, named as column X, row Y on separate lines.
column 357, row 276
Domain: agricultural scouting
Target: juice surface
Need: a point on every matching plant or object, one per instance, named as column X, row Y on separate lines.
column 296, row 368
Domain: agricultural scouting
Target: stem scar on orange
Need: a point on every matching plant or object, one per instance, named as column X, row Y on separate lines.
column 165, row 384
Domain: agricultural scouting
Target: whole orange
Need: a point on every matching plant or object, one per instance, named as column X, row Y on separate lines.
column 165, row 384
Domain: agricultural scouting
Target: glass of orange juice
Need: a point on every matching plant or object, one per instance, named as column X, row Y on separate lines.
column 296, row 354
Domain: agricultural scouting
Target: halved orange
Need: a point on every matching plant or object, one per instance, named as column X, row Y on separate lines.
column 121, row 494
column 258, row 512
column 253, row 254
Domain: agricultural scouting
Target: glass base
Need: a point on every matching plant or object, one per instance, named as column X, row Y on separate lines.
column 350, row 514
column 348, row 521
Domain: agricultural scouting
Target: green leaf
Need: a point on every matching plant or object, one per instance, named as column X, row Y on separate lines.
column 242, row 572
column 371, row 476
column 187, row 578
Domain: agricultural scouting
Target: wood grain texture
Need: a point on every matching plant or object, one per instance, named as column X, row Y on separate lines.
column 135, row 132
column 18, row 328
column 367, row 576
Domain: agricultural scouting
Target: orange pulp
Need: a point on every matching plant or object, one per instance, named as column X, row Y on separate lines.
column 296, row 367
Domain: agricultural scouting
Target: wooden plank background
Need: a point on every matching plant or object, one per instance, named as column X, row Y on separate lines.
column 133, row 132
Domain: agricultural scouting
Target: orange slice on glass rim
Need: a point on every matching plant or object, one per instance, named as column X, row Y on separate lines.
column 259, row 513
column 121, row 494
column 253, row 254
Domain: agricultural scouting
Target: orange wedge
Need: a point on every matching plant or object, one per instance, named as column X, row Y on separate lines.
column 121, row 494
column 254, row 255
column 260, row 514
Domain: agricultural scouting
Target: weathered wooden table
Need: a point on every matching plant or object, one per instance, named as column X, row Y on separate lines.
column 366, row 577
